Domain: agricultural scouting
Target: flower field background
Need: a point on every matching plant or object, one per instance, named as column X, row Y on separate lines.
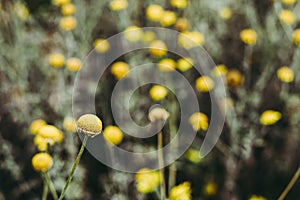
column 255, row 46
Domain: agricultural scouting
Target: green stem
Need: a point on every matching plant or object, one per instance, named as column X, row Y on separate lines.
column 290, row 185
column 50, row 185
column 73, row 168
column 161, row 165
column 45, row 190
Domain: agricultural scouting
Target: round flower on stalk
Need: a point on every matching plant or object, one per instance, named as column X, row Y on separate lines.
column 182, row 24
column 158, row 92
column 89, row 124
column 51, row 134
column 73, row 64
column 158, row 48
column 182, row 191
column 190, row 39
column 101, row 45
column 285, row 74
column 225, row 13
column 117, row 5
column 21, row 11
column 193, row 155
column 56, row 60
column 69, row 124
column 168, row 18
column 179, row 3
column 288, row 2
column 248, row 36
column 204, row 84
column 256, row 197
column 147, row 180
column 287, row 17
column 42, row 162
column 158, row 114
column 40, row 142
column 219, row 70
column 120, row 69
column 60, row 2
column 210, row 189
column 149, row 36
column 68, row 23
column 36, row 125
column 133, row 33
column 296, row 36
column 234, row 78
column 154, row 12
column 68, row 9
column 113, row 135
column 184, row 64
column 167, row 65
column 269, row 117
column 199, row 121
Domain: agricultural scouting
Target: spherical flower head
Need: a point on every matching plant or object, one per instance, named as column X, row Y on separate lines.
column 133, row 33
column 89, row 124
column 147, row 180
column 182, row 24
column 101, row 45
column 248, row 36
column 225, row 13
column 255, row 197
column 288, row 2
column 51, row 134
column 158, row 92
column 40, row 142
column 199, row 121
column 73, row 64
column 204, row 84
column 117, row 5
column 210, row 189
column 285, row 74
column 157, row 114
column 167, row 65
column 120, row 69
column 42, row 162
column 60, row 2
column 219, row 70
column 56, row 60
column 21, row 11
column 182, row 191
column 193, row 155
column 287, row 17
column 179, row 3
column 68, row 23
column 69, row 124
column 190, row 39
column 269, row 117
column 68, row 9
column 113, row 135
column 168, row 18
column 184, row 64
column 158, row 48
column 234, row 78
column 36, row 125
column 154, row 12
column 149, row 36
column 296, row 36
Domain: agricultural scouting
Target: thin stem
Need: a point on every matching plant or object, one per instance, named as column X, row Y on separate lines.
column 45, row 190
column 50, row 185
column 161, row 165
column 290, row 185
column 73, row 168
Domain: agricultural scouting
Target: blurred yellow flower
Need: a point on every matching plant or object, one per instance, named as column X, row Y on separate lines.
column 60, row 2
column 68, row 9
column 148, row 36
column 56, row 60
column 168, row 18
column 40, row 142
column 225, row 13
column 113, row 135
column 51, row 134
column 42, row 162
column 296, row 36
column 234, row 78
column 210, row 189
column 147, row 180
column 158, row 114
column 179, row 3
column 133, row 33
column 89, row 124
column 285, row 74
column 287, row 17
column 269, row 117
column 36, row 125
column 193, row 155
column 120, row 69
column 69, row 124
column 182, row 24
column 219, row 70
column 288, row 2
column 184, row 64
column 204, row 84
column 166, row 65
column 199, row 121
column 68, row 23
column 255, row 197
column 154, row 12
column 158, row 48
column 190, row 39
column 181, row 192
column 158, row 92
column 248, row 36
column 73, row 64
column 21, row 10
column 101, row 45
column 117, row 5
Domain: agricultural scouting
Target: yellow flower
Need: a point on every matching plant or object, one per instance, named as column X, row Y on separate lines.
column 51, row 134
column 181, row 192
column 199, row 121
column 120, row 69
column 168, row 18
column 287, row 17
column 225, row 13
column 36, row 125
column 269, row 117
column 133, row 33
column 158, row 48
column 68, row 9
column 255, row 197
column 89, row 124
column 73, row 64
column 219, row 70
column 40, row 142
column 193, row 155
column 296, row 36
column 61, row 2
column 147, row 180
column 204, row 84
column 248, row 36
column 117, row 5
column 179, row 3
column 285, row 74
column 158, row 92
column 101, row 45
column 56, row 60
column 167, row 65
column 21, row 11
column 184, row 64
column 42, row 162
column 234, row 78
column 210, row 189
column 182, row 24
column 288, row 2
column 69, row 124
column 68, row 23
column 148, row 36
column 158, row 114
column 154, row 12
column 190, row 39
column 113, row 135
